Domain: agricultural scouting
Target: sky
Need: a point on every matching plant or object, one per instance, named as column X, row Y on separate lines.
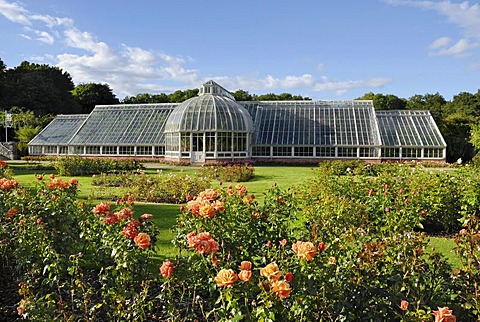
column 325, row 50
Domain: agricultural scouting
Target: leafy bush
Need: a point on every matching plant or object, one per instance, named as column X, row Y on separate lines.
column 71, row 262
column 166, row 188
column 228, row 172
column 78, row 166
column 433, row 194
column 246, row 261
column 362, row 255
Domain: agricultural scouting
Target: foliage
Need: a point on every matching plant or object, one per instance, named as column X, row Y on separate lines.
column 71, row 262
column 91, row 94
column 244, row 261
column 385, row 102
column 235, row 172
column 40, row 88
column 433, row 194
column 76, row 165
column 165, row 188
column 362, row 255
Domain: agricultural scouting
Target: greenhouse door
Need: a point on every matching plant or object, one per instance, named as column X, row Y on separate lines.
column 198, row 152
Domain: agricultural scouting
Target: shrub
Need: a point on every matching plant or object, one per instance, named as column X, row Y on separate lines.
column 166, row 188
column 78, row 166
column 242, row 260
column 71, row 262
column 228, row 172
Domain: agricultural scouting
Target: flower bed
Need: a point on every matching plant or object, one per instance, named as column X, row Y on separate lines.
column 362, row 255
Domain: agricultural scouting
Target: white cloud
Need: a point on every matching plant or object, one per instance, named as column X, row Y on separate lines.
column 463, row 14
column 52, row 22
column 341, row 87
column 14, row 12
column 440, row 42
column 41, row 36
column 34, row 23
column 128, row 71
column 461, row 48
column 302, row 82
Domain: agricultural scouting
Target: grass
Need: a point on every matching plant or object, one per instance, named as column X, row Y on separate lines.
column 445, row 246
column 165, row 214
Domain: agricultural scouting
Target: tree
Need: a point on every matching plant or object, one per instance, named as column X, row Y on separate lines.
column 3, row 68
column 435, row 103
column 181, row 96
column 91, row 94
column 241, row 95
column 40, row 88
column 145, row 98
column 385, row 102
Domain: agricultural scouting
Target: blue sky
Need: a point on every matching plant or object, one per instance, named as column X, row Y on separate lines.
column 330, row 49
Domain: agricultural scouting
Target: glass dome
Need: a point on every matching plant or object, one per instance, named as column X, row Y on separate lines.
column 209, row 126
column 213, row 110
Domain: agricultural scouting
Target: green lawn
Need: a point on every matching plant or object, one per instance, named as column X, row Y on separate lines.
column 165, row 214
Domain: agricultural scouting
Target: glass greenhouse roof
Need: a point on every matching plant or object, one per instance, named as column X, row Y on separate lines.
column 141, row 124
column 60, row 130
column 329, row 123
column 409, row 128
column 209, row 113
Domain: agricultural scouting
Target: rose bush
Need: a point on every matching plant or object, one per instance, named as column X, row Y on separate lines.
column 236, row 172
column 348, row 247
column 165, row 188
column 71, row 261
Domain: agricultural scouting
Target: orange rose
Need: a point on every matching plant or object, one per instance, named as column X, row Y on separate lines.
column 226, row 277
column 246, row 266
column 203, row 243
column 166, row 269
column 218, row 206
column 271, row 272
column 444, row 314
column 304, row 250
column 110, row 219
column 146, row 216
column 101, row 208
column 125, row 213
column 194, row 207
column 245, row 275
column 404, row 305
column 208, row 194
column 248, row 199
column 241, row 190
column 8, row 184
column 206, row 210
column 281, row 288
column 11, row 212
column 130, row 231
column 142, row 240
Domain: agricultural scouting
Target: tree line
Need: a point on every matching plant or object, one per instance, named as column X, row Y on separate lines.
column 36, row 92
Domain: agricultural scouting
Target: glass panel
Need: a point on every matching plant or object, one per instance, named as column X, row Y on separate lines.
column 261, row 151
column 325, row 152
column 282, row 151
column 109, row 150
column 303, row 151
column 92, row 150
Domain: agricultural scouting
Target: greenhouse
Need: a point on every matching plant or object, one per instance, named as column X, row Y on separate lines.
column 214, row 127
